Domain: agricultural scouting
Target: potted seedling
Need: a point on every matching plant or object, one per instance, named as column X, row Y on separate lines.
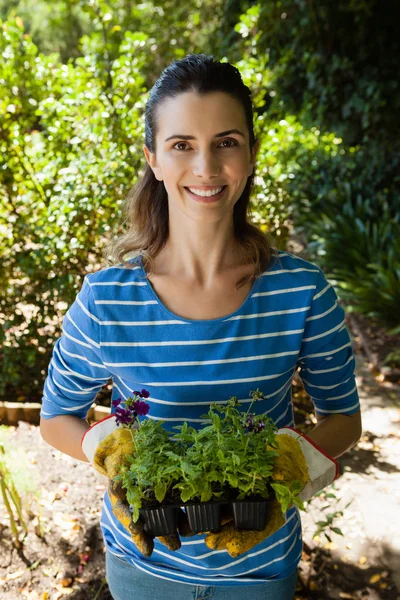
column 149, row 474
column 227, row 462
column 201, row 480
column 232, row 461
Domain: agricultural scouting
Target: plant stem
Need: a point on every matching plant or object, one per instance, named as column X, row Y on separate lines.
column 17, row 502
column 7, row 504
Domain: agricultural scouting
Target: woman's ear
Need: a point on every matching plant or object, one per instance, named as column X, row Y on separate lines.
column 253, row 156
column 152, row 162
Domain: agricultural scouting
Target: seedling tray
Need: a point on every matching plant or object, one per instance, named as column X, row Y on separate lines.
column 250, row 513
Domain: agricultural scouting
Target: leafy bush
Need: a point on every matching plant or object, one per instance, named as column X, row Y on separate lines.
column 361, row 254
column 66, row 152
column 330, row 159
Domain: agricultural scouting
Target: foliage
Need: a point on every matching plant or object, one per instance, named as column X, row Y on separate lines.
column 54, row 26
column 360, row 253
column 229, row 456
column 287, row 495
column 60, row 188
column 328, row 108
column 393, row 359
column 322, row 65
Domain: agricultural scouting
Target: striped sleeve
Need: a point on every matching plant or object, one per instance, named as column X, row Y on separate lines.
column 76, row 372
column 326, row 358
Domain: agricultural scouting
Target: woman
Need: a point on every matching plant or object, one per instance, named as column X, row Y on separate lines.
column 206, row 309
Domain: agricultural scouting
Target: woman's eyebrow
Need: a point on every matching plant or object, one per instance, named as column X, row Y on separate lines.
column 191, row 137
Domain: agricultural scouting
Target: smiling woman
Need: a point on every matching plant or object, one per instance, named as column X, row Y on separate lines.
column 220, row 312
column 199, row 138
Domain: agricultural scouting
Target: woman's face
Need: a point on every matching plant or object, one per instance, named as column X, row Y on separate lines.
column 192, row 153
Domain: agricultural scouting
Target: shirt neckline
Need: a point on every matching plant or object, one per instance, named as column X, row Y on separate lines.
column 196, row 321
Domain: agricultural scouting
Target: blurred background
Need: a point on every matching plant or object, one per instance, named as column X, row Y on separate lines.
column 74, row 80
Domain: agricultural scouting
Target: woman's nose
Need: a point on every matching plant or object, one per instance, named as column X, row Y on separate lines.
column 206, row 164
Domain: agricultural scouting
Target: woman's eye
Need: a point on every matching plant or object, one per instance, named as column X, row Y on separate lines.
column 231, row 143
column 179, row 144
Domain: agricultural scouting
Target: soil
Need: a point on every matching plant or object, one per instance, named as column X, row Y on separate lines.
column 69, row 559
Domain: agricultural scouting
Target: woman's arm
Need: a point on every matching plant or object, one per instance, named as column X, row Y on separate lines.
column 64, row 433
column 337, row 433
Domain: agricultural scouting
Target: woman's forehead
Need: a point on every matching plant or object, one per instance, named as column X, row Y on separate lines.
column 212, row 113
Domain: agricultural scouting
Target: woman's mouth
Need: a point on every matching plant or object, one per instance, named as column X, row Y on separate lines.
column 207, row 199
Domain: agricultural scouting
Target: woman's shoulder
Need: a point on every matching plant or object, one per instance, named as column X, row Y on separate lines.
column 285, row 261
column 118, row 273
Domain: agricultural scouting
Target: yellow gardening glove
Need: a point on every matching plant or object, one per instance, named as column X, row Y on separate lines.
column 289, row 465
column 110, row 453
column 109, row 456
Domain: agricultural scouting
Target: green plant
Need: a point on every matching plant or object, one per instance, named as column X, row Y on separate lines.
column 12, row 502
column 229, row 456
column 327, row 525
column 153, row 469
column 17, row 490
column 393, row 359
column 360, row 252
column 154, row 465
column 288, row 494
column 230, row 459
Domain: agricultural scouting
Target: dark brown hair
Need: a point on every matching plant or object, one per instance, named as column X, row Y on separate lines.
column 146, row 205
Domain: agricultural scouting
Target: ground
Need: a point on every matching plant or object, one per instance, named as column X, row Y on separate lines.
column 364, row 563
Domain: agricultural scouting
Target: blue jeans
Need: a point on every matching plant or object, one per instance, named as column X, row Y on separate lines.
column 127, row 582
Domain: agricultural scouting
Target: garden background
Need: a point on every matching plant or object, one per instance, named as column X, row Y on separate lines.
column 74, row 80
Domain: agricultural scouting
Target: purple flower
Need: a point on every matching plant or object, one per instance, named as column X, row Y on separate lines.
column 252, row 425
column 249, row 422
column 123, row 416
column 143, row 394
column 142, row 408
column 130, row 409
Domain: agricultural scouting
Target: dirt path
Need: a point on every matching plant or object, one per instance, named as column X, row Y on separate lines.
column 368, row 554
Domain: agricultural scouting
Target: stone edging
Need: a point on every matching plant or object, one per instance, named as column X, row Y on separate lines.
column 12, row 412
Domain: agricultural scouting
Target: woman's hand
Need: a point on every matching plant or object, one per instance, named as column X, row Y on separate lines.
column 143, row 540
column 106, row 446
column 299, row 459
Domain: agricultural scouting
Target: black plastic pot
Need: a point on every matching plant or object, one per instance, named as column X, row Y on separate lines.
column 250, row 513
column 204, row 516
column 160, row 521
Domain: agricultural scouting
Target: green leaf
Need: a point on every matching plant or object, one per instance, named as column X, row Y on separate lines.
column 233, row 480
column 186, row 494
column 160, row 490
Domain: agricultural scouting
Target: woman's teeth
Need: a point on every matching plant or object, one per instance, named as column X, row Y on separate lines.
column 204, row 193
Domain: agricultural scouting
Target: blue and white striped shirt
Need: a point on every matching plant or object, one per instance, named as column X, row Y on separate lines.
column 118, row 328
